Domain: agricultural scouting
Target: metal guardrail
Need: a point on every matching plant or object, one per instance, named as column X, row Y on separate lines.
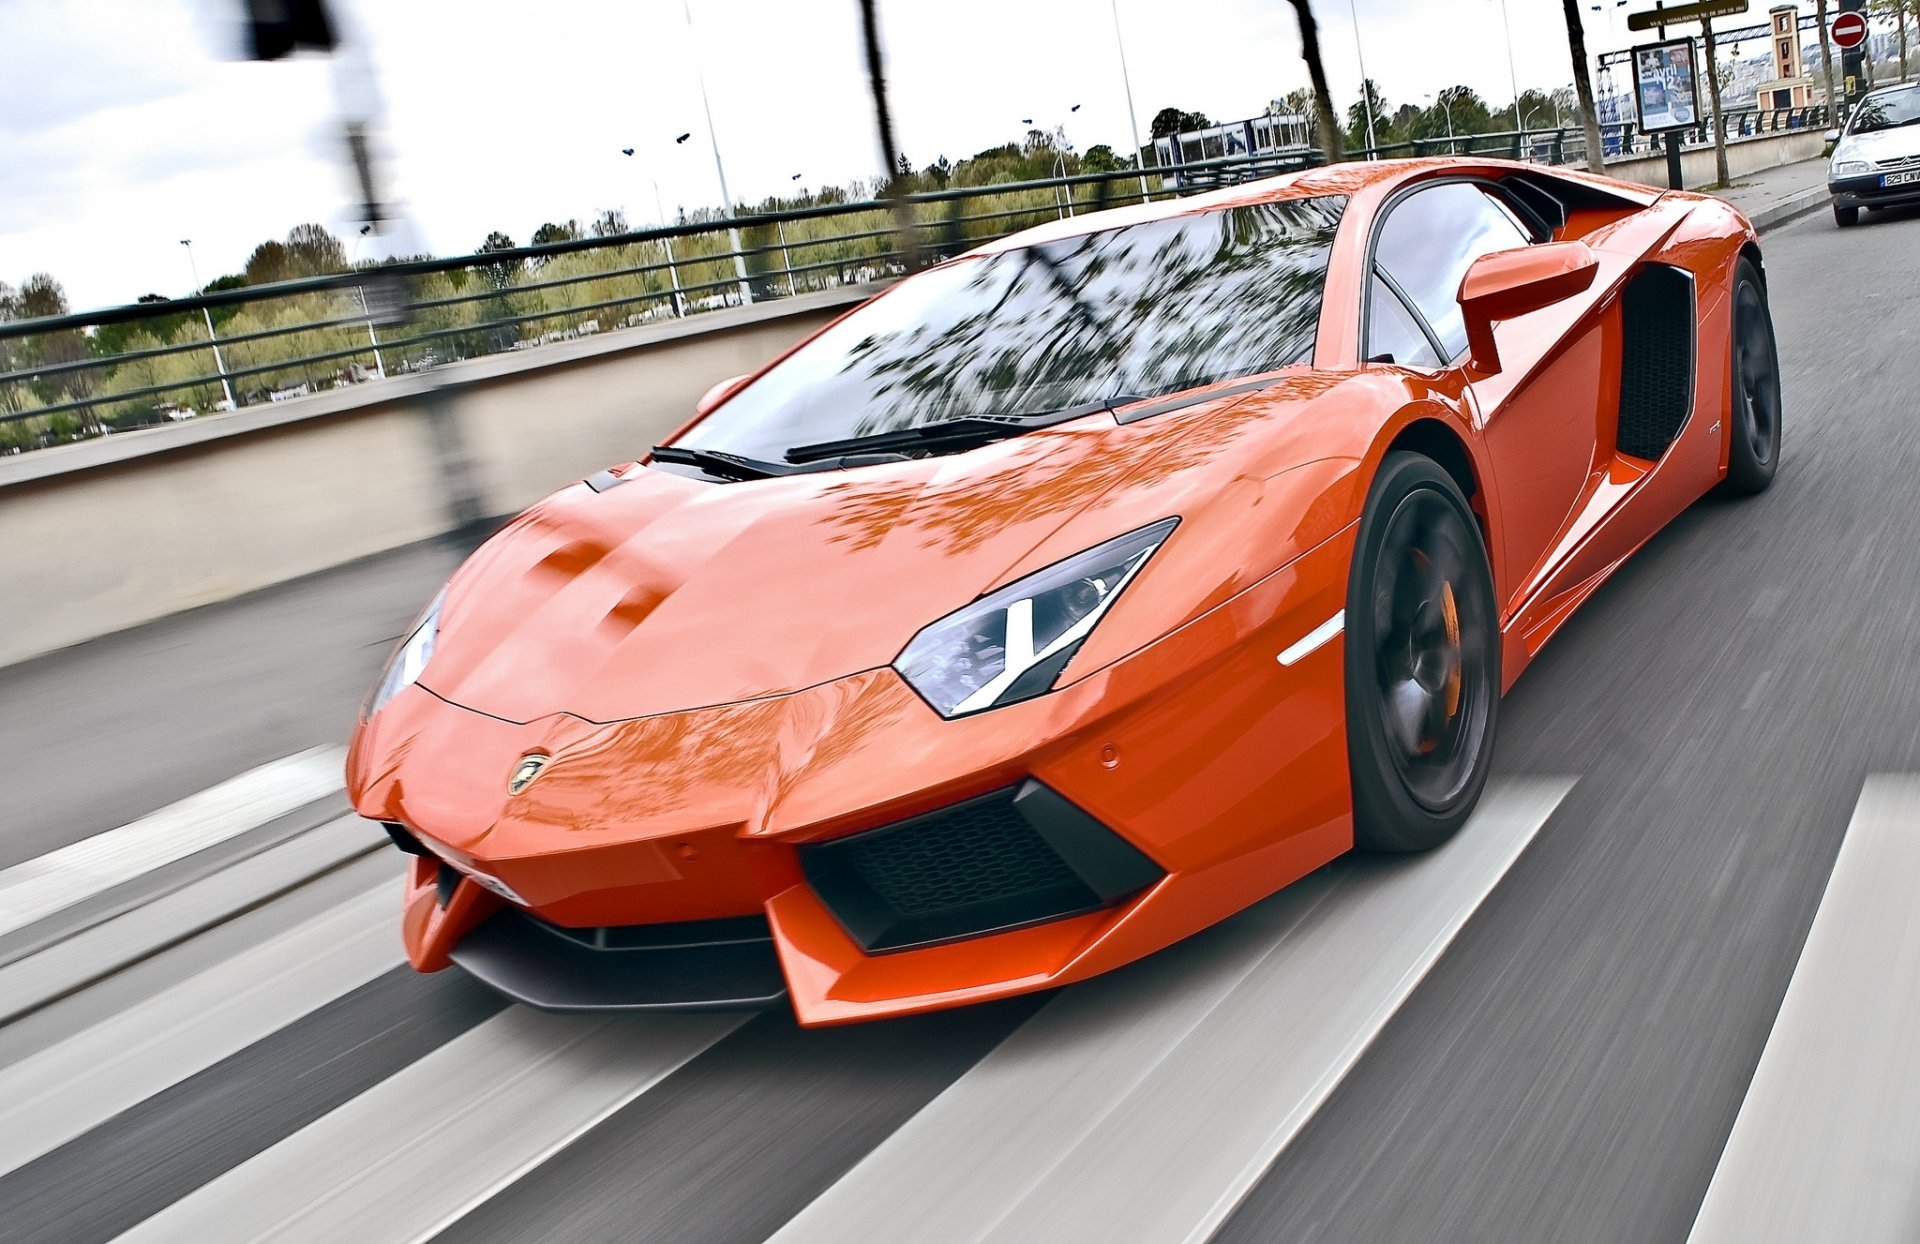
column 271, row 341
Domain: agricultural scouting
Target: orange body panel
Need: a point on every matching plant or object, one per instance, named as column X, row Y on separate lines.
column 709, row 666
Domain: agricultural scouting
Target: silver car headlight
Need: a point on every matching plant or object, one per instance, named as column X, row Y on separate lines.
column 1012, row 644
column 1851, row 168
column 409, row 659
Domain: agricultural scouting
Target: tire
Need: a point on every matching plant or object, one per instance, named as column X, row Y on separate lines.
column 1753, row 431
column 1846, row 217
column 1422, row 660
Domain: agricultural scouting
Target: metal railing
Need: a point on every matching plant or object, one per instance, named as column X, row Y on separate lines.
column 62, row 378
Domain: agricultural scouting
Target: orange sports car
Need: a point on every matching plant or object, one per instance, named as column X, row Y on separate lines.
column 1068, row 596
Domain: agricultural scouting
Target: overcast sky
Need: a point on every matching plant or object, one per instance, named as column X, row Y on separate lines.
column 125, row 125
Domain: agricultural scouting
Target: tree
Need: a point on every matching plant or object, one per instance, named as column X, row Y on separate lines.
column 503, row 273
column 1099, row 158
column 610, row 223
column 268, row 263
column 1358, row 111
column 1583, row 84
column 1170, row 121
column 1328, row 128
column 551, row 232
column 940, row 172
column 1826, row 63
column 312, row 251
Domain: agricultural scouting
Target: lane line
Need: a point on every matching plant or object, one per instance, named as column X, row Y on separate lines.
column 30, row 983
column 47, row 883
column 421, row 1149
column 1144, row 1105
column 48, row 1098
column 1827, row 1142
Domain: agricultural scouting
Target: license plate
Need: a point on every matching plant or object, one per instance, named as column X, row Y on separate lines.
column 1909, row 178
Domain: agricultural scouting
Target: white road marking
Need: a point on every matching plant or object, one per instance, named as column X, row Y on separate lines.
column 127, row 938
column 1144, row 1105
column 42, row 886
column 413, row 1154
column 1314, row 639
column 1827, row 1142
column 50, row 1097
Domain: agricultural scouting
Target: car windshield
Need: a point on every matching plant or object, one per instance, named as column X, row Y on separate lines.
column 1146, row 309
column 1886, row 111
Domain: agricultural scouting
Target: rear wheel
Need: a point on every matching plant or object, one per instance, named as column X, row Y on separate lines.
column 1846, row 217
column 1422, row 660
column 1753, row 450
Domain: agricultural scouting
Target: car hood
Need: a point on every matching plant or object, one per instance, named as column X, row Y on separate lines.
column 1890, row 144
column 666, row 592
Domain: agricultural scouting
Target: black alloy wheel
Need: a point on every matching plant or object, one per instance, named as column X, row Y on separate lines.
column 1422, row 660
column 1753, row 451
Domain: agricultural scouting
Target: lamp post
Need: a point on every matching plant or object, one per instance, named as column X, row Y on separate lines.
column 726, row 200
column 1513, row 79
column 786, row 256
column 1366, row 90
column 673, row 269
column 1446, row 106
column 219, row 363
column 1133, row 123
column 1060, row 165
column 379, row 363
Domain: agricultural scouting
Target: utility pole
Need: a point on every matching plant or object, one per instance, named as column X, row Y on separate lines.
column 1133, row 122
column 219, row 364
column 1366, row 83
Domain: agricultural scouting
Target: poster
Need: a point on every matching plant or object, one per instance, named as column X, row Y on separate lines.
column 1664, row 86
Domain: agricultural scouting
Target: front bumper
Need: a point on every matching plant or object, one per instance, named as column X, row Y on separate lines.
column 1866, row 191
column 1216, row 775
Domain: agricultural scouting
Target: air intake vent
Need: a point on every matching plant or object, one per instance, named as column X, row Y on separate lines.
column 1015, row 857
column 1656, row 360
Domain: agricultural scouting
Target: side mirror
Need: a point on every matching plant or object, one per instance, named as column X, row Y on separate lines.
column 718, row 394
column 1505, row 284
column 1831, row 136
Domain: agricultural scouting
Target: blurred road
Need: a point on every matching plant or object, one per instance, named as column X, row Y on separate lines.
column 1543, row 1032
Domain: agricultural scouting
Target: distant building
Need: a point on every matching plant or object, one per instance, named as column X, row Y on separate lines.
column 290, row 392
column 1790, row 86
column 1276, row 132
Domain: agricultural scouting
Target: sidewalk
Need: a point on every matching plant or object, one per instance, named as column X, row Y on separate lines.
column 1776, row 195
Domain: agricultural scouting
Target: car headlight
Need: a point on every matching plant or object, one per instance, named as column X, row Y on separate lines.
column 1012, row 644
column 1849, row 168
column 409, row 659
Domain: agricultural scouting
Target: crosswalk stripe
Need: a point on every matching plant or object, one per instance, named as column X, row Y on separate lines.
column 1827, row 1142
column 54, row 1095
column 106, row 947
column 60, row 878
column 1144, row 1105
column 415, row 1153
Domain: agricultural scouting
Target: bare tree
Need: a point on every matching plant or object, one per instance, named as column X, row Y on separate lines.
column 1324, row 118
column 1583, row 85
column 1826, row 63
column 889, row 152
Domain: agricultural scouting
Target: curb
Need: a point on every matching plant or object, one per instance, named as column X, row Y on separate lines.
column 1791, row 208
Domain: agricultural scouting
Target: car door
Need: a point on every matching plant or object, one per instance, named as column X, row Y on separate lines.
column 1539, row 415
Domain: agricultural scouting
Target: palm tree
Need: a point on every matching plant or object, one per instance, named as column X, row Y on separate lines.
column 1323, row 114
column 1583, row 85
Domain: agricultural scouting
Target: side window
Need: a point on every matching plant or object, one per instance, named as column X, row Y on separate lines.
column 1430, row 241
column 1393, row 336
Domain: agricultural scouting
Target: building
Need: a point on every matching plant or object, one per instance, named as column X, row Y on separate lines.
column 1790, row 86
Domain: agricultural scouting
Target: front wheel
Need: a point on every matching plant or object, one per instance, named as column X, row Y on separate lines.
column 1422, row 660
column 1753, row 448
column 1846, row 217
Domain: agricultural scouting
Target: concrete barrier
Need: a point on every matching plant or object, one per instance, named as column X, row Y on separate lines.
column 106, row 534
column 1745, row 155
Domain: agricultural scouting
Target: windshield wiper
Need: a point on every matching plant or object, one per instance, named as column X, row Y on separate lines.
column 967, row 430
column 717, row 462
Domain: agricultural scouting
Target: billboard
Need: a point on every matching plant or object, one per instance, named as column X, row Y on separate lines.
column 1665, row 88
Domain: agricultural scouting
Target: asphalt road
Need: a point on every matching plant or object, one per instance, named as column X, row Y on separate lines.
column 1568, row 1069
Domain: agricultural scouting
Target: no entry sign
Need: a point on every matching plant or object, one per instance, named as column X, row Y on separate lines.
column 1849, row 30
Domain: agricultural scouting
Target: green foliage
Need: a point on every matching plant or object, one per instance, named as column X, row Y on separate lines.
column 1170, row 121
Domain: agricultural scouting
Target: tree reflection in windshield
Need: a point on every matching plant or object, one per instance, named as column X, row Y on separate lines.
column 1884, row 112
column 1147, row 309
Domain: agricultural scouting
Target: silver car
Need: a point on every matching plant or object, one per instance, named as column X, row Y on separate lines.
column 1876, row 157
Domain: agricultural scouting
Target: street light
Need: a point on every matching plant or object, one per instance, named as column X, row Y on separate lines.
column 726, row 200
column 1133, row 124
column 379, row 363
column 1513, row 79
column 1366, row 92
column 1060, row 162
column 219, row 363
column 660, row 212
column 1446, row 106
column 786, row 256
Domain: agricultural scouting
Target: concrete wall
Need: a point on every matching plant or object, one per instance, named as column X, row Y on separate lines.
column 106, row 534
column 1747, row 155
